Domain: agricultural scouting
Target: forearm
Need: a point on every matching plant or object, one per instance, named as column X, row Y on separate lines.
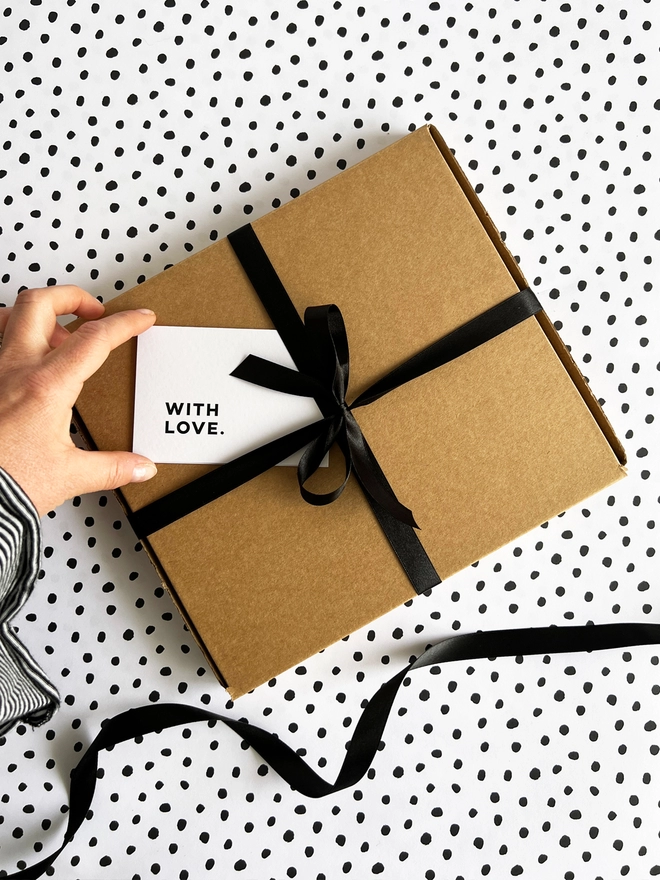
column 26, row 694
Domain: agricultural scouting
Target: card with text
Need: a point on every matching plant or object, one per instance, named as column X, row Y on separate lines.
column 190, row 410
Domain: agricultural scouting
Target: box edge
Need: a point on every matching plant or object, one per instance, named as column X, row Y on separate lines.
column 546, row 324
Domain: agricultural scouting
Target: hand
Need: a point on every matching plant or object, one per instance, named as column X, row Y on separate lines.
column 42, row 370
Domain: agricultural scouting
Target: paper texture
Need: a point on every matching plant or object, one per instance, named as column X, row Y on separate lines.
column 190, row 410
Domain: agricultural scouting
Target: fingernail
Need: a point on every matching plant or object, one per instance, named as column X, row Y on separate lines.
column 142, row 472
column 145, row 311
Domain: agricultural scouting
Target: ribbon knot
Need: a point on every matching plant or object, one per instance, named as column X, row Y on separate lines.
column 326, row 380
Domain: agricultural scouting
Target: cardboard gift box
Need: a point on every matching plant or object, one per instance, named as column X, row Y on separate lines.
column 481, row 449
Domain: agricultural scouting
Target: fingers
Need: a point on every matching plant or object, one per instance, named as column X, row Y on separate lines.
column 59, row 335
column 98, row 471
column 85, row 350
column 31, row 322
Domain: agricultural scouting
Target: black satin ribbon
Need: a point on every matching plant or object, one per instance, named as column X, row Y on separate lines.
column 319, row 349
column 328, row 386
column 364, row 743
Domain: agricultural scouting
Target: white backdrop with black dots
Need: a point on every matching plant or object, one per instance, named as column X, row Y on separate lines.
column 133, row 135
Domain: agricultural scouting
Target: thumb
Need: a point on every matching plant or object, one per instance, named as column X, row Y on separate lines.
column 96, row 471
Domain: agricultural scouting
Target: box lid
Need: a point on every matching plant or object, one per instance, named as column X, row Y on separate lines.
column 482, row 449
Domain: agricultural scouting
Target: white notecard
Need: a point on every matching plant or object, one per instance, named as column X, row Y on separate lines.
column 189, row 410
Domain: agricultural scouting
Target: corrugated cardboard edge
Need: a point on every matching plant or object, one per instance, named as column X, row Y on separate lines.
column 510, row 262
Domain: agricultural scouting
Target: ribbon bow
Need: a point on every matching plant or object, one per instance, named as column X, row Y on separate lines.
column 328, row 385
column 319, row 349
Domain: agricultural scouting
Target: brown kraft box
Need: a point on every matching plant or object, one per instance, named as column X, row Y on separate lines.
column 482, row 449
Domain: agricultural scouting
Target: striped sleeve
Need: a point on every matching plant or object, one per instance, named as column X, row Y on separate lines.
column 26, row 694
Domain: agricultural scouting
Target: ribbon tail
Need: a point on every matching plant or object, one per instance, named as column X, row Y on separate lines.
column 400, row 534
column 409, row 550
column 371, row 475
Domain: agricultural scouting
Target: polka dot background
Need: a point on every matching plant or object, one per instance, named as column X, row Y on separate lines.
column 135, row 135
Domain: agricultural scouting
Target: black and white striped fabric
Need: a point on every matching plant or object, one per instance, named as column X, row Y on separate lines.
column 25, row 692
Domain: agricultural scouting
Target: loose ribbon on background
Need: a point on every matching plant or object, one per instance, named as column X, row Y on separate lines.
column 363, row 745
column 319, row 349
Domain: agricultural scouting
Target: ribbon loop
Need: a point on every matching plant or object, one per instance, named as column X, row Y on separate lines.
column 268, row 374
column 311, row 460
column 327, row 333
